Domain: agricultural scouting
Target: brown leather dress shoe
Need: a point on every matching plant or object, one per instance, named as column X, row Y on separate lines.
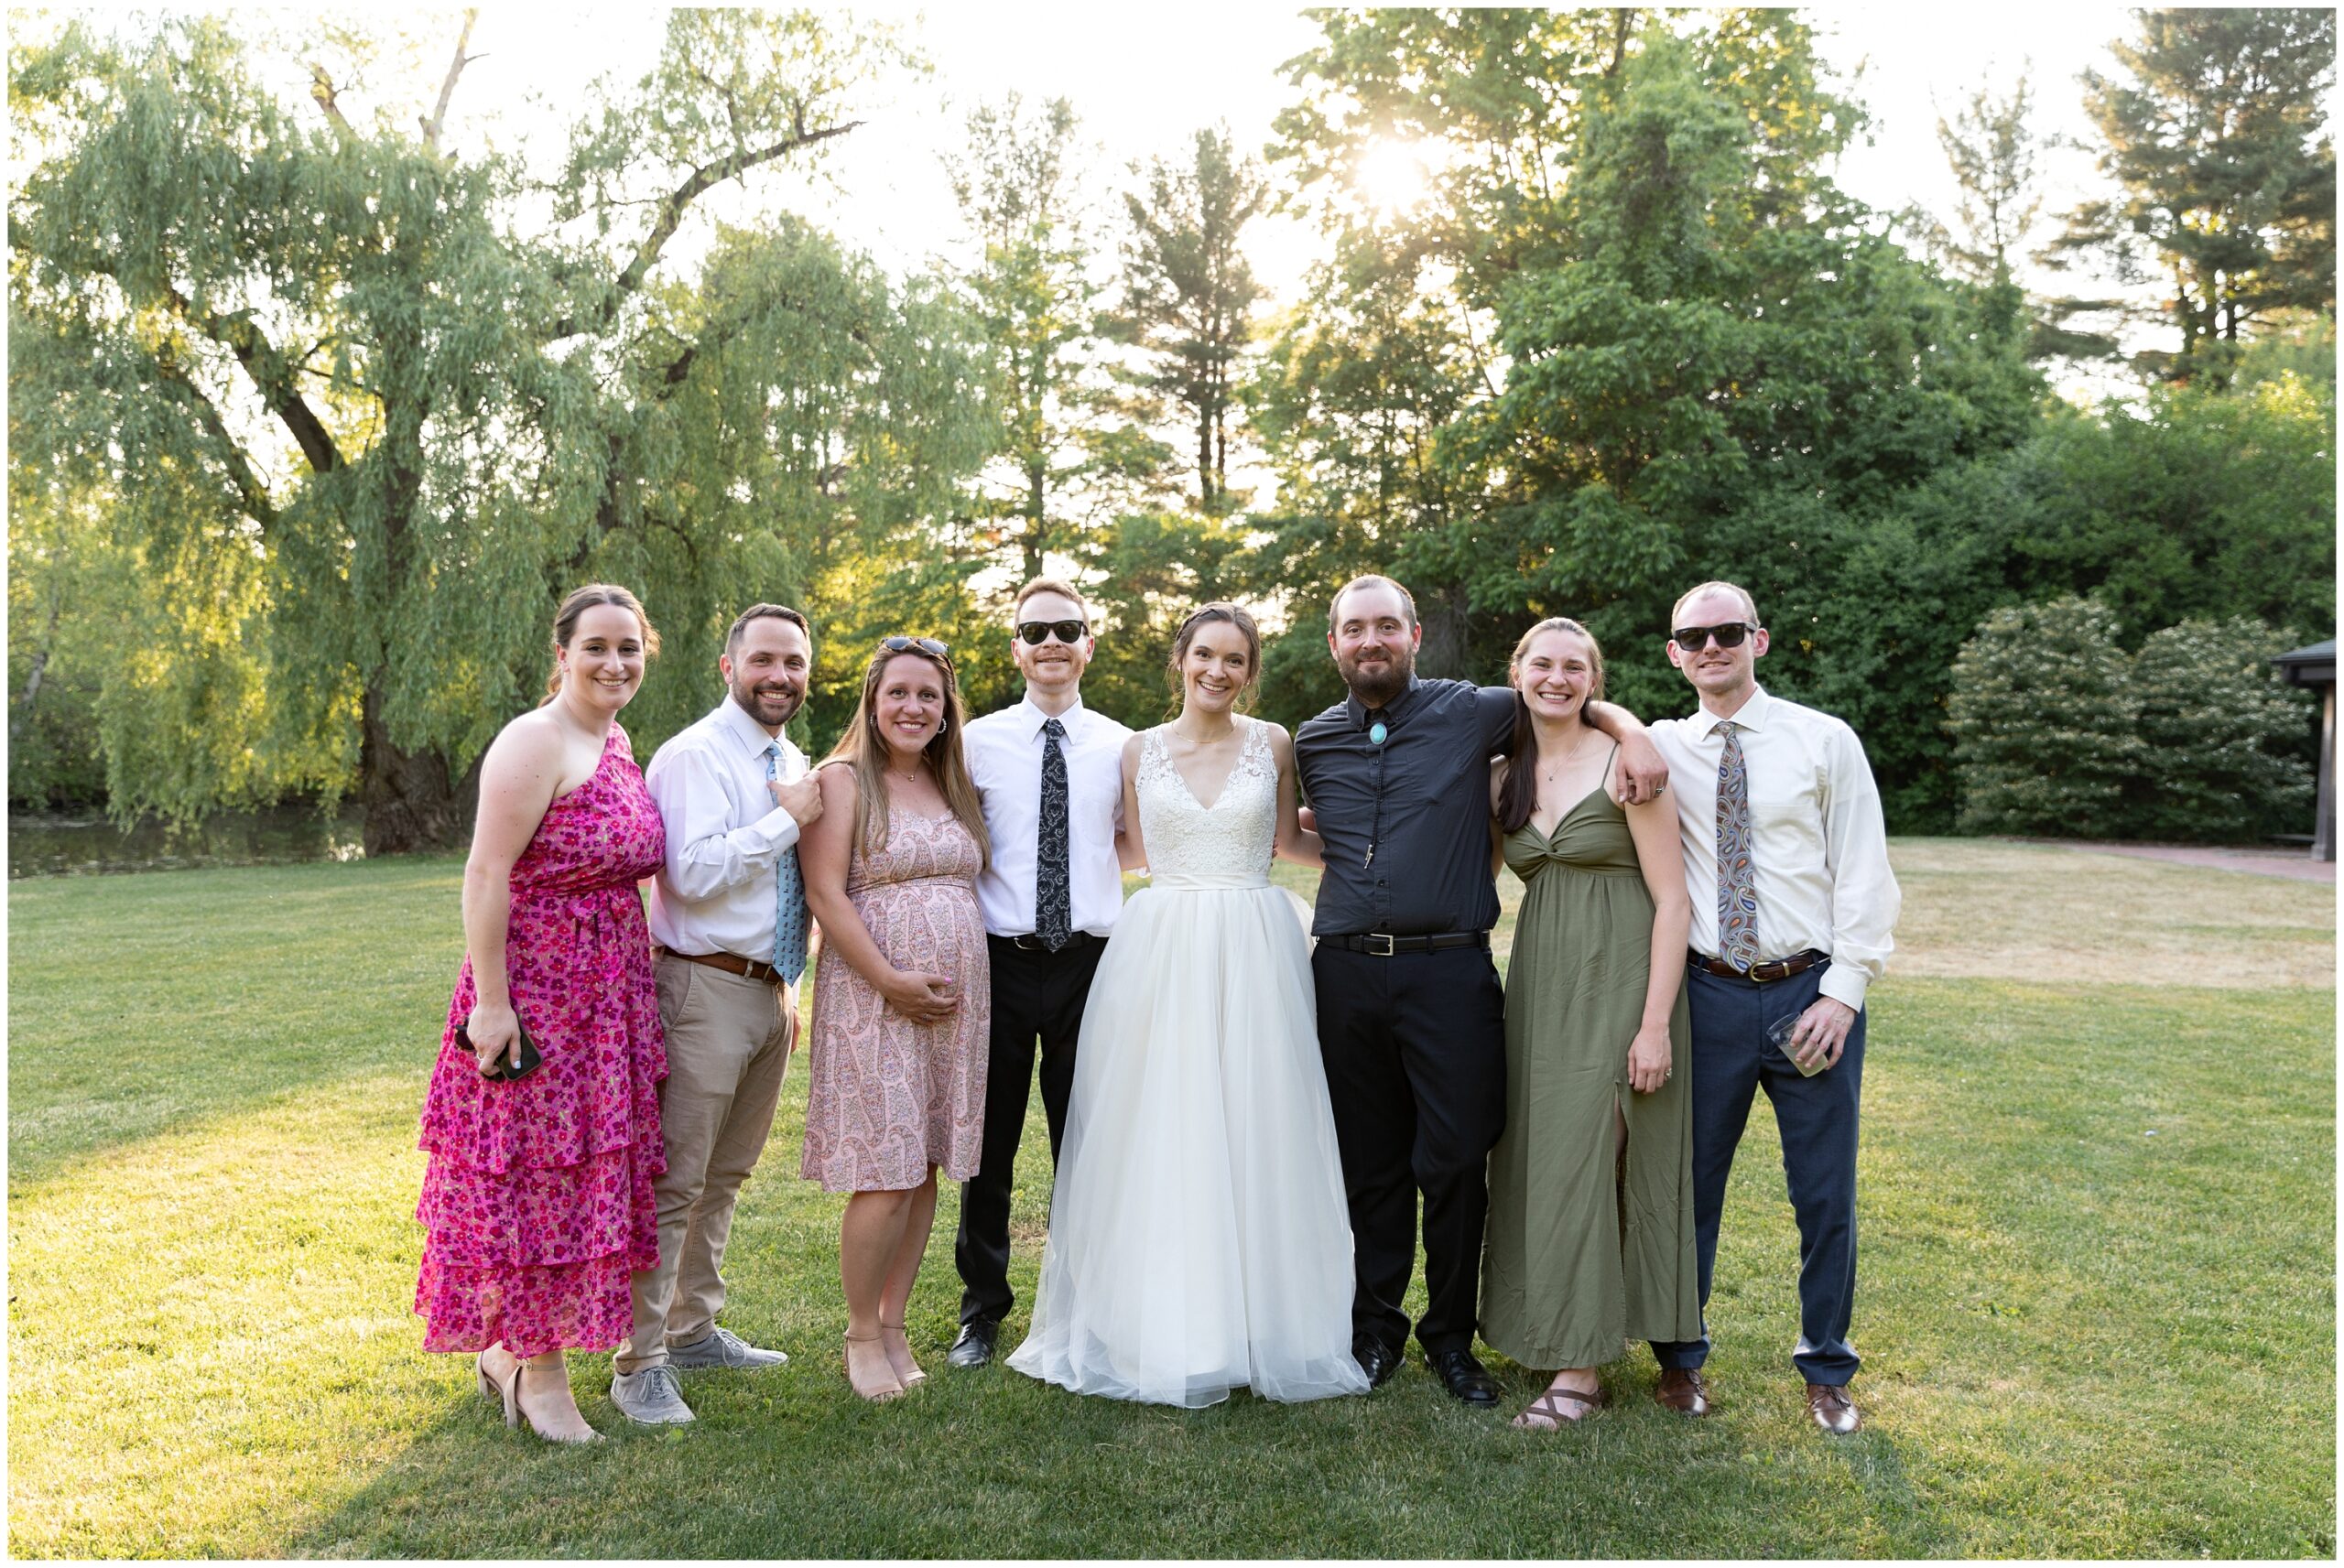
column 1682, row 1390
column 1833, row 1411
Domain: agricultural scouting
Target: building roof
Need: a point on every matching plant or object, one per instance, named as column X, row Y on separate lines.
column 2313, row 666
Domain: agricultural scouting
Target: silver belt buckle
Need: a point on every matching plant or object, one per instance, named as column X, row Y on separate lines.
column 1386, row 950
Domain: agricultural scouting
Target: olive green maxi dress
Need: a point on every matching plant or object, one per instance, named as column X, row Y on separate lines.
column 1573, row 1268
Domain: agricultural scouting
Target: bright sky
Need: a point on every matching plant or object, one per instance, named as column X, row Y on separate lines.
column 1144, row 78
column 1143, row 81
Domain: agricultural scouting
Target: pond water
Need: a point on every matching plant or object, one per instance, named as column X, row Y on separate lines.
column 86, row 844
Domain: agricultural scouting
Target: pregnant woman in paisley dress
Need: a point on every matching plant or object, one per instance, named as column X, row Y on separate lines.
column 1198, row 1239
column 903, row 998
column 537, row 1196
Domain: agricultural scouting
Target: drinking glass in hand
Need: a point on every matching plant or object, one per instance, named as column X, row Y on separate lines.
column 1778, row 1034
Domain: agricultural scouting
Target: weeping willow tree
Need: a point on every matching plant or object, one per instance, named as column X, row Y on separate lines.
column 359, row 403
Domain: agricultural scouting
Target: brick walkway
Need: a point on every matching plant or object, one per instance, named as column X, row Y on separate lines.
column 2295, row 864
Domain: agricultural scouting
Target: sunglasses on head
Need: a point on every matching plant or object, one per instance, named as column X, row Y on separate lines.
column 1037, row 632
column 1693, row 638
column 916, row 645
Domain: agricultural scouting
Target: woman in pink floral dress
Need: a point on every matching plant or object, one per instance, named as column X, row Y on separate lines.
column 536, row 1197
column 903, row 998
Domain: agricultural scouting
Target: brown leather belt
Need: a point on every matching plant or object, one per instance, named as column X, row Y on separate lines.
column 732, row 964
column 1773, row 969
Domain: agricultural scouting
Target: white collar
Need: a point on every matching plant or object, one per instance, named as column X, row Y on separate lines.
column 1751, row 715
column 1030, row 719
column 746, row 729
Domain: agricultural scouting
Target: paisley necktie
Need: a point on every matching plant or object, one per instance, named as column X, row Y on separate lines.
column 1737, row 877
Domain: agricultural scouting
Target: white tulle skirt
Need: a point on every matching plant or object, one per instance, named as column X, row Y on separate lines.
column 1199, row 1238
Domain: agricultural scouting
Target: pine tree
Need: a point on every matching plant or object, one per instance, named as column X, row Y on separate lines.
column 2214, row 133
column 1189, row 293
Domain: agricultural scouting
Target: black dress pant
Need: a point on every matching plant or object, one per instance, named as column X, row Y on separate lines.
column 1415, row 1050
column 1036, row 996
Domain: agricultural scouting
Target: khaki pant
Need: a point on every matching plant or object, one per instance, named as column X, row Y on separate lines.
column 729, row 1039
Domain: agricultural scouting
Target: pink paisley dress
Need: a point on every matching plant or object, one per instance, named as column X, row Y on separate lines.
column 537, row 1196
column 889, row 1098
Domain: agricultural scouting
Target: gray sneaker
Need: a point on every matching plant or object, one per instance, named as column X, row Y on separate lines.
column 651, row 1396
column 723, row 1347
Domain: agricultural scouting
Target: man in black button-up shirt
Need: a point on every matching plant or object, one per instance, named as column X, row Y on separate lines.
column 1411, row 1017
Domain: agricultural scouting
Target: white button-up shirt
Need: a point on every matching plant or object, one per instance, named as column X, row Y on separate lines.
column 1819, row 843
column 1005, row 752
column 716, row 893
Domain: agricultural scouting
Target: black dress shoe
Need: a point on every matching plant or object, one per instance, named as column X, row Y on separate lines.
column 1467, row 1379
column 1375, row 1358
column 974, row 1348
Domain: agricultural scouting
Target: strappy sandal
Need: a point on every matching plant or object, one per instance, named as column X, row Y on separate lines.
column 918, row 1374
column 1545, row 1405
column 506, row 1392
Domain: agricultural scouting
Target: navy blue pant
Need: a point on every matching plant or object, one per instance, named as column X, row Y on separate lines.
column 1817, row 1119
column 1415, row 1049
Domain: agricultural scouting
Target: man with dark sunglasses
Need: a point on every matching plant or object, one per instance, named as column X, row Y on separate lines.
column 1787, row 857
column 1049, row 772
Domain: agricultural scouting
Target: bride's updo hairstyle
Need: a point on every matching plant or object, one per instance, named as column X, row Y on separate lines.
column 1228, row 614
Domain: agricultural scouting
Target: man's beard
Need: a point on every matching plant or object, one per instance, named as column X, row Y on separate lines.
column 1378, row 690
column 744, row 695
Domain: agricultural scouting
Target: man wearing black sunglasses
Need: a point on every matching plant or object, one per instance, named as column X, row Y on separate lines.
column 1787, row 858
column 1049, row 773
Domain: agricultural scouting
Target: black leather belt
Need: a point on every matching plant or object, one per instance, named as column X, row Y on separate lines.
column 1773, row 969
column 1383, row 944
column 1030, row 942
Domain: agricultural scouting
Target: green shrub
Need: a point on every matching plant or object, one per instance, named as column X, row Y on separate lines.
column 2220, row 728
column 2059, row 732
column 2045, row 723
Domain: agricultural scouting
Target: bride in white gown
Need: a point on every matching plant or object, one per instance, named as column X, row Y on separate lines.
column 1199, row 1238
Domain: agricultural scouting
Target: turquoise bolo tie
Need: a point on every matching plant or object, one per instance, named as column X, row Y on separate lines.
column 789, row 896
column 1377, row 733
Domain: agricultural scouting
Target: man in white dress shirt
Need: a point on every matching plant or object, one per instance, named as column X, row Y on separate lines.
column 728, row 916
column 1786, row 855
column 1051, row 774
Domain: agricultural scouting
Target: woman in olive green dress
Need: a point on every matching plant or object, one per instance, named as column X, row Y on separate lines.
column 1591, row 1227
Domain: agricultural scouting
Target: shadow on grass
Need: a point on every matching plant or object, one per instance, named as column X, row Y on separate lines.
column 788, row 1464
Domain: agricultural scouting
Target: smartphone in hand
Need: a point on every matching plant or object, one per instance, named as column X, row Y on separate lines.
column 506, row 1068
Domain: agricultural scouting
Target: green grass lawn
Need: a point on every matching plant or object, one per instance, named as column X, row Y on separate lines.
column 2097, row 1303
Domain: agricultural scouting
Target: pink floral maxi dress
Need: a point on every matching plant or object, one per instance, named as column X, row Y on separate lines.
column 537, row 1196
column 888, row 1098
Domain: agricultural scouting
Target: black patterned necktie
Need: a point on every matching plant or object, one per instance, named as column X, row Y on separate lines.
column 1053, row 900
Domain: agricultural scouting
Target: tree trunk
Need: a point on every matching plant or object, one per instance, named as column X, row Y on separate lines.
column 23, row 714
column 1445, row 651
column 1036, row 502
column 410, row 799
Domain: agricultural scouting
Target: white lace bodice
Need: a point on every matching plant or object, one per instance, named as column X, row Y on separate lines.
column 1226, row 845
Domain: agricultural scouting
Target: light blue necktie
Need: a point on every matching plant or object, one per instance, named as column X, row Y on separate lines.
column 789, row 894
